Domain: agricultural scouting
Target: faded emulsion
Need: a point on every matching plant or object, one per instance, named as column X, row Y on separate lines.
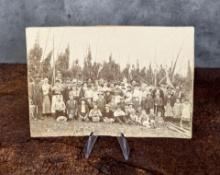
column 110, row 80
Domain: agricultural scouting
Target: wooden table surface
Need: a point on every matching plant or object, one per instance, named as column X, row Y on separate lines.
column 20, row 154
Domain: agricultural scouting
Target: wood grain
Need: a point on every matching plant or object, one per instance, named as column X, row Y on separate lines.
column 20, row 154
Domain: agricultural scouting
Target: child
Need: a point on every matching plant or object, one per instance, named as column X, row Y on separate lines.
column 72, row 106
column 145, row 119
column 83, row 110
column 134, row 117
column 131, row 108
column 139, row 118
column 95, row 114
column 177, row 110
column 33, row 110
column 59, row 107
column 159, row 120
column 119, row 114
column 108, row 115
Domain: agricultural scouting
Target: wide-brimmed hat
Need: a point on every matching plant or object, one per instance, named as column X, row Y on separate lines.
column 61, row 119
column 130, row 103
column 83, row 99
column 107, row 105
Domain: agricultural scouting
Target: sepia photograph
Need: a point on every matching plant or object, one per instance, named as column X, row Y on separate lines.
column 109, row 80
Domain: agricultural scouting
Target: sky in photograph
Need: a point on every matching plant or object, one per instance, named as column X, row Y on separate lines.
column 146, row 45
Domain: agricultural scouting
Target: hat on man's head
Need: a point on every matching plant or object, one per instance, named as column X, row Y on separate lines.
column 83, row 99
column 107, row 105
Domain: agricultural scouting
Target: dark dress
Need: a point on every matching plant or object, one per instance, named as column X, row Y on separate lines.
column 148, row 104
column 159, row 105
column 108, row 114
column 72, row 107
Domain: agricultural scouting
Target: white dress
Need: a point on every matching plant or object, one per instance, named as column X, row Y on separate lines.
column 186, row 113
column 46, row 106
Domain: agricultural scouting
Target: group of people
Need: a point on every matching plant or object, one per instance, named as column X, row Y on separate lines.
column 110, row 102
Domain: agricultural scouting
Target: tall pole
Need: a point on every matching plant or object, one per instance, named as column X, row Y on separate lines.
column 53, row 64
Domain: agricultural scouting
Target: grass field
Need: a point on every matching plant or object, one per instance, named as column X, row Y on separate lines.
column 49, row 127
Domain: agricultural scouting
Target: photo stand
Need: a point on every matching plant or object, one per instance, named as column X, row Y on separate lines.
column 93, row 138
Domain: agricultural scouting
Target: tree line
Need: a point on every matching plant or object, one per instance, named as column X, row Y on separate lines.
column 109, row 70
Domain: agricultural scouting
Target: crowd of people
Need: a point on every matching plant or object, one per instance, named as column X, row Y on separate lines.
column 127, row 102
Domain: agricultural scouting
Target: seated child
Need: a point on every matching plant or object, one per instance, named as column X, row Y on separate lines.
column 72, row 107
column 83, row 110
column 159, row 120
column 127, row 114
column 134, row 117
column 59, row 107
column 119, row 114
column 108, row 114
column 145, row 118
column 139, row 118
column 95, row 114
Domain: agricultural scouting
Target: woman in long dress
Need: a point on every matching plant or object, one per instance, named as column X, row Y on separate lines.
column 57, row 90
column 168, row 108
column 46, row 105
column 186, row 113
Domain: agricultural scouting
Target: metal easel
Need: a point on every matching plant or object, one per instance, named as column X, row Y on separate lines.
column 121, row 140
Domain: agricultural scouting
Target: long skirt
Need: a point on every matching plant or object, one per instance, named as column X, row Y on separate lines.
column 168, row 111
column 54, row 99
column 46, row 107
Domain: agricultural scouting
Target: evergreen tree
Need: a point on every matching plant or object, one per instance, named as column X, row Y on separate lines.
column 34, row 58
column 150, row 75
column 76, row 71
column 87, row 68
column 46, row 66
column 62, row 64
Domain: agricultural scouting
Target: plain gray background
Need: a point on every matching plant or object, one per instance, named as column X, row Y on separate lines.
column 15, row 15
